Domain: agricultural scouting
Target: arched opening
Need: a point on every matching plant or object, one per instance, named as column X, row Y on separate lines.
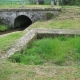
column 22, row 22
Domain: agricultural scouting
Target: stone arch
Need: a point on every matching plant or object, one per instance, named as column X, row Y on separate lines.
column 22, row 21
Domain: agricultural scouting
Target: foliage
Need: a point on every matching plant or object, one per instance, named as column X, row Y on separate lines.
column 3, row 28
column 59, row 51
column 62, row 2
column 71, row 2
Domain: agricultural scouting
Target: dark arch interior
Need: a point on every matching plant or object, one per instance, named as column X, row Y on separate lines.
column 22, row 22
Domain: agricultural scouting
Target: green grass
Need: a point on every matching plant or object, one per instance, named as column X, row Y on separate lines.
column 47, row 70
column 9, row 6
column 7, row 41
column 71, row 7
column 58, row 51
column 3, row 28
column 15, row 71
column 57, row 24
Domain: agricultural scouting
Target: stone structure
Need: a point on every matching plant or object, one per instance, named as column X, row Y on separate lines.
column 52, row 3
column 38, row 34
column 8, row 16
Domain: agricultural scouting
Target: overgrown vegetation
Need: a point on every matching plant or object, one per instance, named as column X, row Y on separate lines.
column 69, row 19
column 3, row 28
column 59, row 51
column 71, row 2
column 7, row 41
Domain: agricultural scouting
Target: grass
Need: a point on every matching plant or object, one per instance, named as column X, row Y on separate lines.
column 58, row 51
column 15, row 71
column 19, row 71
column 9, row 6
column 69, row 18
column 71, row 7
column 3, row 28
column 57, row 24
column 7, row 41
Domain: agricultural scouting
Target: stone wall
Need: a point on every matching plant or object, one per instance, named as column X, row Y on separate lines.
column 8, row 16
column 38, row 34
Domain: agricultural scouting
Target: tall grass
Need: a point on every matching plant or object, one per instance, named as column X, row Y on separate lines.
column 58, row 51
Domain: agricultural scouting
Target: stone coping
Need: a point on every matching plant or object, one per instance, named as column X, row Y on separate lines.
column 31, row 9
column 35, row 34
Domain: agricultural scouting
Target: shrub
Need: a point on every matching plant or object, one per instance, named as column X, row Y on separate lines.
column 3, row 28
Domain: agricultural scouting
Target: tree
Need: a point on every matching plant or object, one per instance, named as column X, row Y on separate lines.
column 71, row 2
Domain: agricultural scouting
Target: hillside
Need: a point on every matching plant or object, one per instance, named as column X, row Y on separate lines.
column 69, row 13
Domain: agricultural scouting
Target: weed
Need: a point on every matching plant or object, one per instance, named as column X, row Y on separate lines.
column 57, row 51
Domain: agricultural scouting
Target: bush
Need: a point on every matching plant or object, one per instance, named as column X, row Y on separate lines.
column 71, row 2
column 3, row 28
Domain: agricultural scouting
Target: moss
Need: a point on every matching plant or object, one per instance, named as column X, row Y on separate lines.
column 49, row 16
